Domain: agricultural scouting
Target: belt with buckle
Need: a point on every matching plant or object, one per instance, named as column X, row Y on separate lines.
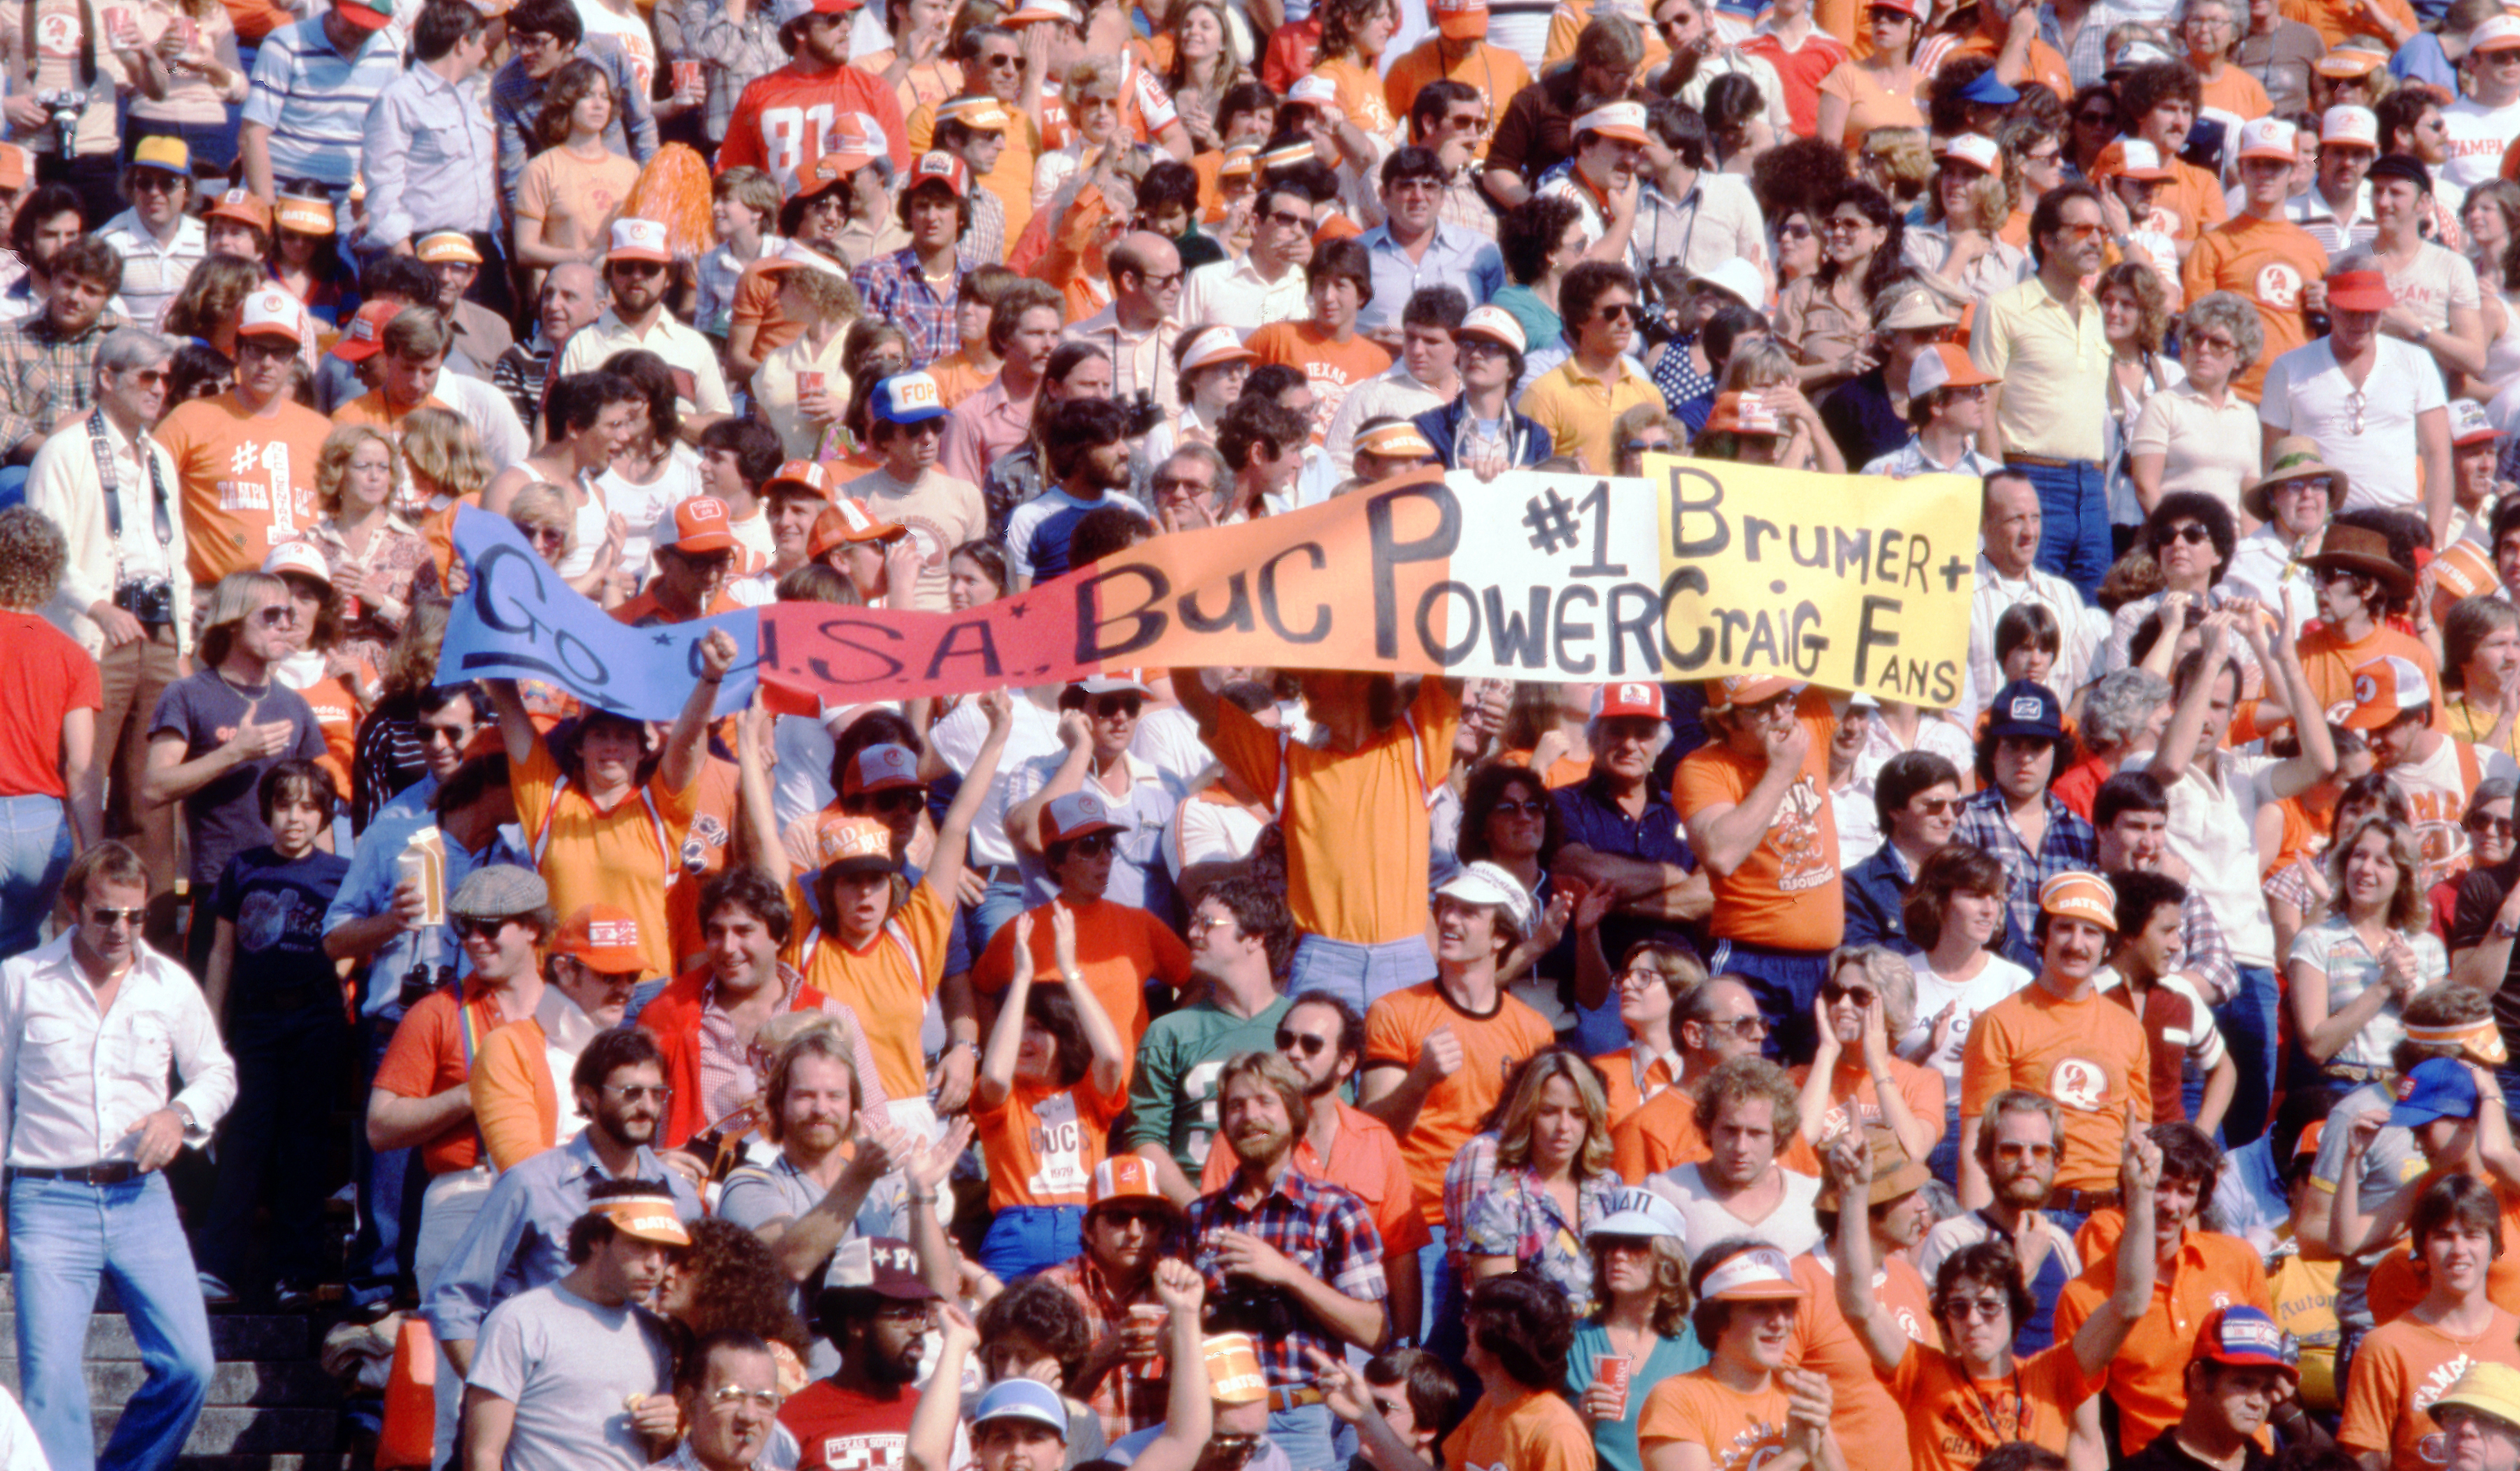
column 2086, row 1202
column 111, row 1172
column 1295, row 1398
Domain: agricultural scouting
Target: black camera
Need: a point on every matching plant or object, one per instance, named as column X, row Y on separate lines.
column 421, row 979
column 1255, row 1307
column 1144, row 414
column 151, row 600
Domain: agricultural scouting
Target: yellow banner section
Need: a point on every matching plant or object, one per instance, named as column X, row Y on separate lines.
column 1852, row 583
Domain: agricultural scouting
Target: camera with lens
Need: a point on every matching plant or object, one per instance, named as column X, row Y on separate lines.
column 421, row 979
column 1254, row 1308
column 1144, row 413
column 151, row 600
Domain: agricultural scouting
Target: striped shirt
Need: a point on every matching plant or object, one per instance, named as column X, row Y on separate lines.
column 315, row 99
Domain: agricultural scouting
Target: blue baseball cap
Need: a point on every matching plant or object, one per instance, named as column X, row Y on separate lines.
column 2246, row 1336
column 1022, row 1400
column 2025, row 708
column 2438, row 1088
column 906, row 398
column 1989, row 90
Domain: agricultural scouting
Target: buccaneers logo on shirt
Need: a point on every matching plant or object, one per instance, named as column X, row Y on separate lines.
column 2278, row 285
column 1803, row 862
column 2078, row 1082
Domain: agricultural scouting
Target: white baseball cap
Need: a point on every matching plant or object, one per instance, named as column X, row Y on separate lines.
column 2270, row 138
column 2350, row 124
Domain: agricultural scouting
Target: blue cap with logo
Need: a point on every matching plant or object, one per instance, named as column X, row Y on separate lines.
column 1022, row 1400
column 2438, row 1088
column 906, row 398
column 2025, row 708
column 2246, row 1336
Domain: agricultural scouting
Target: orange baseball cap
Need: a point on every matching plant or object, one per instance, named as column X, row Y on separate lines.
column 847, row 843
column 1462, row 19
column 808, row 475
column 846, row 522
column 1733, row 690
column 604, row 938
column 696, row 526
column 2086, row 896
column 2384, row 690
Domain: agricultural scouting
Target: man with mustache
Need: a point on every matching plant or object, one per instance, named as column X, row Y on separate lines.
column 593, row 962
column 2017, row 1153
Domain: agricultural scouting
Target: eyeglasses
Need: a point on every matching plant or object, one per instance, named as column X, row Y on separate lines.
column 2189, row 532
column 106, row 919
column 2025, row 1151
column 431, row 735
column 2326, row 577
column 1797, row 230
column 736, row 1394
column 147, row 377
column 636, row 267
column 632, row 1093
column 1749, row 1029
column 2318, row 485
column 1112, row 707
column 1302, row 1041
column 1232, row 1449
column 1933, row 807
column 2200, row 340
column 1527, row 808
column 2478, row 823
column 471, row 927
column 1208, row 923
column 150, row 181
column 1647, row 447
column 1288, row 219
column 1182, row 487
column 547, row 535
column 1975, row 392
column 273, row 617
column 899, row 800
column 1092, row 845
column 901, row 1313
column 1418, row 186
column 2096, row 118
column 1970, row 1309
column 1153, row 283
column 260, row 348
column 1832, row 993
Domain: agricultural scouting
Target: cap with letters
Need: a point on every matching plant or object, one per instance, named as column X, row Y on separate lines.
column 695, row 528
column 604, row 939
column 2077, row 894
column 906, row 398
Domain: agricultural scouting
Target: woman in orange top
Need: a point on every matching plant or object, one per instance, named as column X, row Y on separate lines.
column 1055, row 1077
column 1879, row 90
column 1354, row 35
column 1855, row 1079
column 1652, row 978
column 1745, row 1410
column 1965, row 1401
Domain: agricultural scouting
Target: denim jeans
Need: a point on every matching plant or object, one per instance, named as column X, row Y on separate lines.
column 999, row 903
column 1785, row 984
column 2074, row 509
column 63, row 1238
column 2250, row 1031
column 273, row 1143
column 34, row 853
column 381, row 1252
column 1359, row 973
column 1304, row 1434
column 1025, row 1239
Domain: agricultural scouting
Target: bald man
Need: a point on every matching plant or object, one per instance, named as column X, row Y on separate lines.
column 1138, row 328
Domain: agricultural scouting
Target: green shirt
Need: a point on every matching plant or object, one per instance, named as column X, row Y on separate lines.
column 1172, row 1099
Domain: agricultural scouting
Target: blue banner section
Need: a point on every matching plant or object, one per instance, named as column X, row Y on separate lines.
column 519, row 620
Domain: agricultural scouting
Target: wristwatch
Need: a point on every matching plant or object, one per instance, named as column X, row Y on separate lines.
column 2503, row 929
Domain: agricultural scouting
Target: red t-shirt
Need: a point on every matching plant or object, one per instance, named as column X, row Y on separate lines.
column 45, row 676
column 842, row 1429
column 782, row 119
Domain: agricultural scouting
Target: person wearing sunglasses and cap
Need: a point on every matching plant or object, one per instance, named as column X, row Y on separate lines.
column 907, row 420
column 2374, row 401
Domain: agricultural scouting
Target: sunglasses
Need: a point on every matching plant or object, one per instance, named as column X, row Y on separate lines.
column 1970, row 1309
column 273, row 617
column 1647, row 447
column 633, row 1093
column 547, row 535
column 431, row 735
column 1617, row 310
column 1933, row 807
column 1528, row 808
column 1303, row 1041
column 1832, row 993
column 1110, row 707
column 469, row 927
column 146, row 181
column 106, row 919
column 2478, row 823
column 1747, row 1029
column 1844, row 225
column 1795, row 231
column 2081, row 231
column 899, row 800
column 1287, row 218
column 1092, row 845
column 2189, row 532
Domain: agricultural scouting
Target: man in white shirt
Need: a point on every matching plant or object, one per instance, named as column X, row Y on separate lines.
column 1266, row 283
column 1746, row 1106
column 2008, row 573
column 89, row 1024
column 1138, row 328
column 2480, row 125
column 157, row 238
column 2336, row 208
column 637, row 269
column 2375, row 405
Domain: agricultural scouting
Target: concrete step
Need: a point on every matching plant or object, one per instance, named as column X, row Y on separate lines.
column 256, row 1432
column 295, row 1383
column 236, row 1337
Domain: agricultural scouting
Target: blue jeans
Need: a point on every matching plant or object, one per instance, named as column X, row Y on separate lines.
column 1944, row 1163
column 2250, row 1031
column 1785, row 984
column 63, row 1239
column 34, row 853
column 2074, row 509
column 999, row 903
column 1027, row 1239
column 380, row 1251
column 1304, row 1434
column 1359, row 973
column 272, row 1143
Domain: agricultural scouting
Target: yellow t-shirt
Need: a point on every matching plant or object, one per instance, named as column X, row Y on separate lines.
column 623, row 857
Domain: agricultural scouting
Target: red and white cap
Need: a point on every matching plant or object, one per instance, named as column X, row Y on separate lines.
column 845, row 523
column 785, row 11
column 806, row 475
column 272, row 312
column 1461, row 19
column 854, row 141
column 2470, row 424
column 696, row 526
column 2385, row 689
column 604, row 939
column 2270, row 138
column 1946, row 366
column 937, row 167
column 1210, row 346
column 1749, row 412
column 1079, row 814
column 365, row 336
column 2498, row 33
column 1126, row 1176
column 2131, row 158
column 1314, row 91
column 1754, row 1273
column 1633, row 699
column 879, row 768
column 635, row 238
column 301, row 557
column 1624, row 120
column 1976, row 150
column 1496, row 324
column 2353, row 126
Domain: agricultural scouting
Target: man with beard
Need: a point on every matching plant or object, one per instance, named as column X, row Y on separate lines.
column 2240, row 1377
column 1323, row 1039
column 1862, row 1410
column 572, row 1374
column 47, row 362
column 1128, row 1220
column 2480, row 1419
column 875, row 1310
column 1241, row 939
column 727, row 1387
column 637, row 269
column 2016, row 1151
column 1088, row 452
column 519, row 1240
column 591, row 966
column 1295, row 1262
column 840, row 1174
column 2197, row 1270
column 2056, row 1036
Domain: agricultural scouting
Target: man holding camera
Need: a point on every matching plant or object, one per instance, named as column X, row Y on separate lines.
column 1138, row 328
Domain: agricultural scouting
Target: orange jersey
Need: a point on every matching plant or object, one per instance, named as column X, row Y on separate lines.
column 1531, row 1430
column 1851, row 1091
column 887, row 982
column 1954, row 1419
column 2044, row 65
column 1332, row 367
column 248, row 479
column 2267, row 261
column 1043, row 1144
column 625, row 856
column 1490, row 1044
column 1628, row 1086
column 2090, row 1056
column 2329, row 663
column 1786, row 894
column 1118, row 948
column 2193, row 196
column 1663, row 1134
column 2144, row 1379
column 2233, row 91
column 1739, row 1431
column 2335, row 20
column 2398, row 1371
column 1864, row 1416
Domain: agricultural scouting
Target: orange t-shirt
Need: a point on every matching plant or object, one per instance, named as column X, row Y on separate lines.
column 1491, row 1046
column 1866, row 1419
column 715, row 800
column 626, row 856
column 888, row 982
column 2145, row 1379
column 1954, row 1419
column 2090, row 1056
column 2335, row 20
column 1332, row 367
column 1532, row 1430
column 1786, row 894
column 2195, row 197
column 756, row 302
column 432, row 1051
column 2329, row 663
column 1624, row 1090
column 1339, row 803
column 1491, row 70
column 2266, row 260
column 1043, row 1144
column 1360, row 96
column 1738, row 1429
column 2398, row 1371
column 1564, row 771
column 2044, row 63
column 2235, row 91
column 336, row 715
column 373, row 410
column 1663, row 1134
column 2398, row 1283
column 248, row 479
column 1118, row 946
column 1852, row 1087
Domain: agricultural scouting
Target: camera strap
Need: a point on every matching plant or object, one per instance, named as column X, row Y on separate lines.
column 99, row 441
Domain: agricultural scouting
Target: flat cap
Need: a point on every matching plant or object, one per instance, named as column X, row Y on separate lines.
column 498, row 890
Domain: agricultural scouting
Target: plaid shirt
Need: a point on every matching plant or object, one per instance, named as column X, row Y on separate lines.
column 895, row 289
column 44, row 373
column 1128, row 1398
column 2207, row 960
column 2070, row 844
column 1318, row 1226
column 731, row 55
column 985, row 243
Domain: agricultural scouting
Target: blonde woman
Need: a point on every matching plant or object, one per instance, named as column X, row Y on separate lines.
column 1857, row 1080
column 375, row 556
column 1093, row 93
column 1897, row 161
column 1959, row 248
column 1767, row 369
column 2353, row 969
column 445, row 467
column 1554, row 1179
column 1203, row 66
column 802, row 387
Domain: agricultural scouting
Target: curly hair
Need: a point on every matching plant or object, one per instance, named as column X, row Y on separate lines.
column 1980, row 1265
column 570, row 86
column 1040, row 1312
column 332, row 462
column 2232, row 313
column 738, row 1284
column 1746, row 1080
column 32, row 554
column 2406, row 913
column 1489, row 785
column 1874, row 206
column 2151, row 299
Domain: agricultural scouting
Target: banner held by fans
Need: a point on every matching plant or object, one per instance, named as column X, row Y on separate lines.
column 1547, row 577
column 519, row 620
